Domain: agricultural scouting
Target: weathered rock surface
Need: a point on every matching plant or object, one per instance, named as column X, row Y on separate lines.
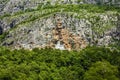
column 11, row 6
column 55, row 27
column 72, row 33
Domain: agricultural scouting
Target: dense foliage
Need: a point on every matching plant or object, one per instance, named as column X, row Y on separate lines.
column 92, row 63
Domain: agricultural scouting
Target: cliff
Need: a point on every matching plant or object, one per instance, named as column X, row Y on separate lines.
column 72, row 26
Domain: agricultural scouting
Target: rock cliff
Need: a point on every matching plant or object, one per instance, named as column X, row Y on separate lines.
column 67, row 26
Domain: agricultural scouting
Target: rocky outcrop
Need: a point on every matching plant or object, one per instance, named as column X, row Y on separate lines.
column 47, row 32
column 13, row 6
column 66, row 38
column 58, row 27
column 63, row 30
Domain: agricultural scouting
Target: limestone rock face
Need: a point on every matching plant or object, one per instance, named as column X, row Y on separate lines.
column 24, row 25
column 12, row 6
column 47, row 32
column 61, row 31
column 66, row 37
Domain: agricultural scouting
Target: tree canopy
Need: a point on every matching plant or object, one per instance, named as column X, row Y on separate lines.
column 92, row 63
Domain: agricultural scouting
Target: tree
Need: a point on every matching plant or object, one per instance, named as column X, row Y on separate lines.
column 101, row 70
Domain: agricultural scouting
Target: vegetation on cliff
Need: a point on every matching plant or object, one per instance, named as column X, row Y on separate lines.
column 93, row 14
column 29, row 27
